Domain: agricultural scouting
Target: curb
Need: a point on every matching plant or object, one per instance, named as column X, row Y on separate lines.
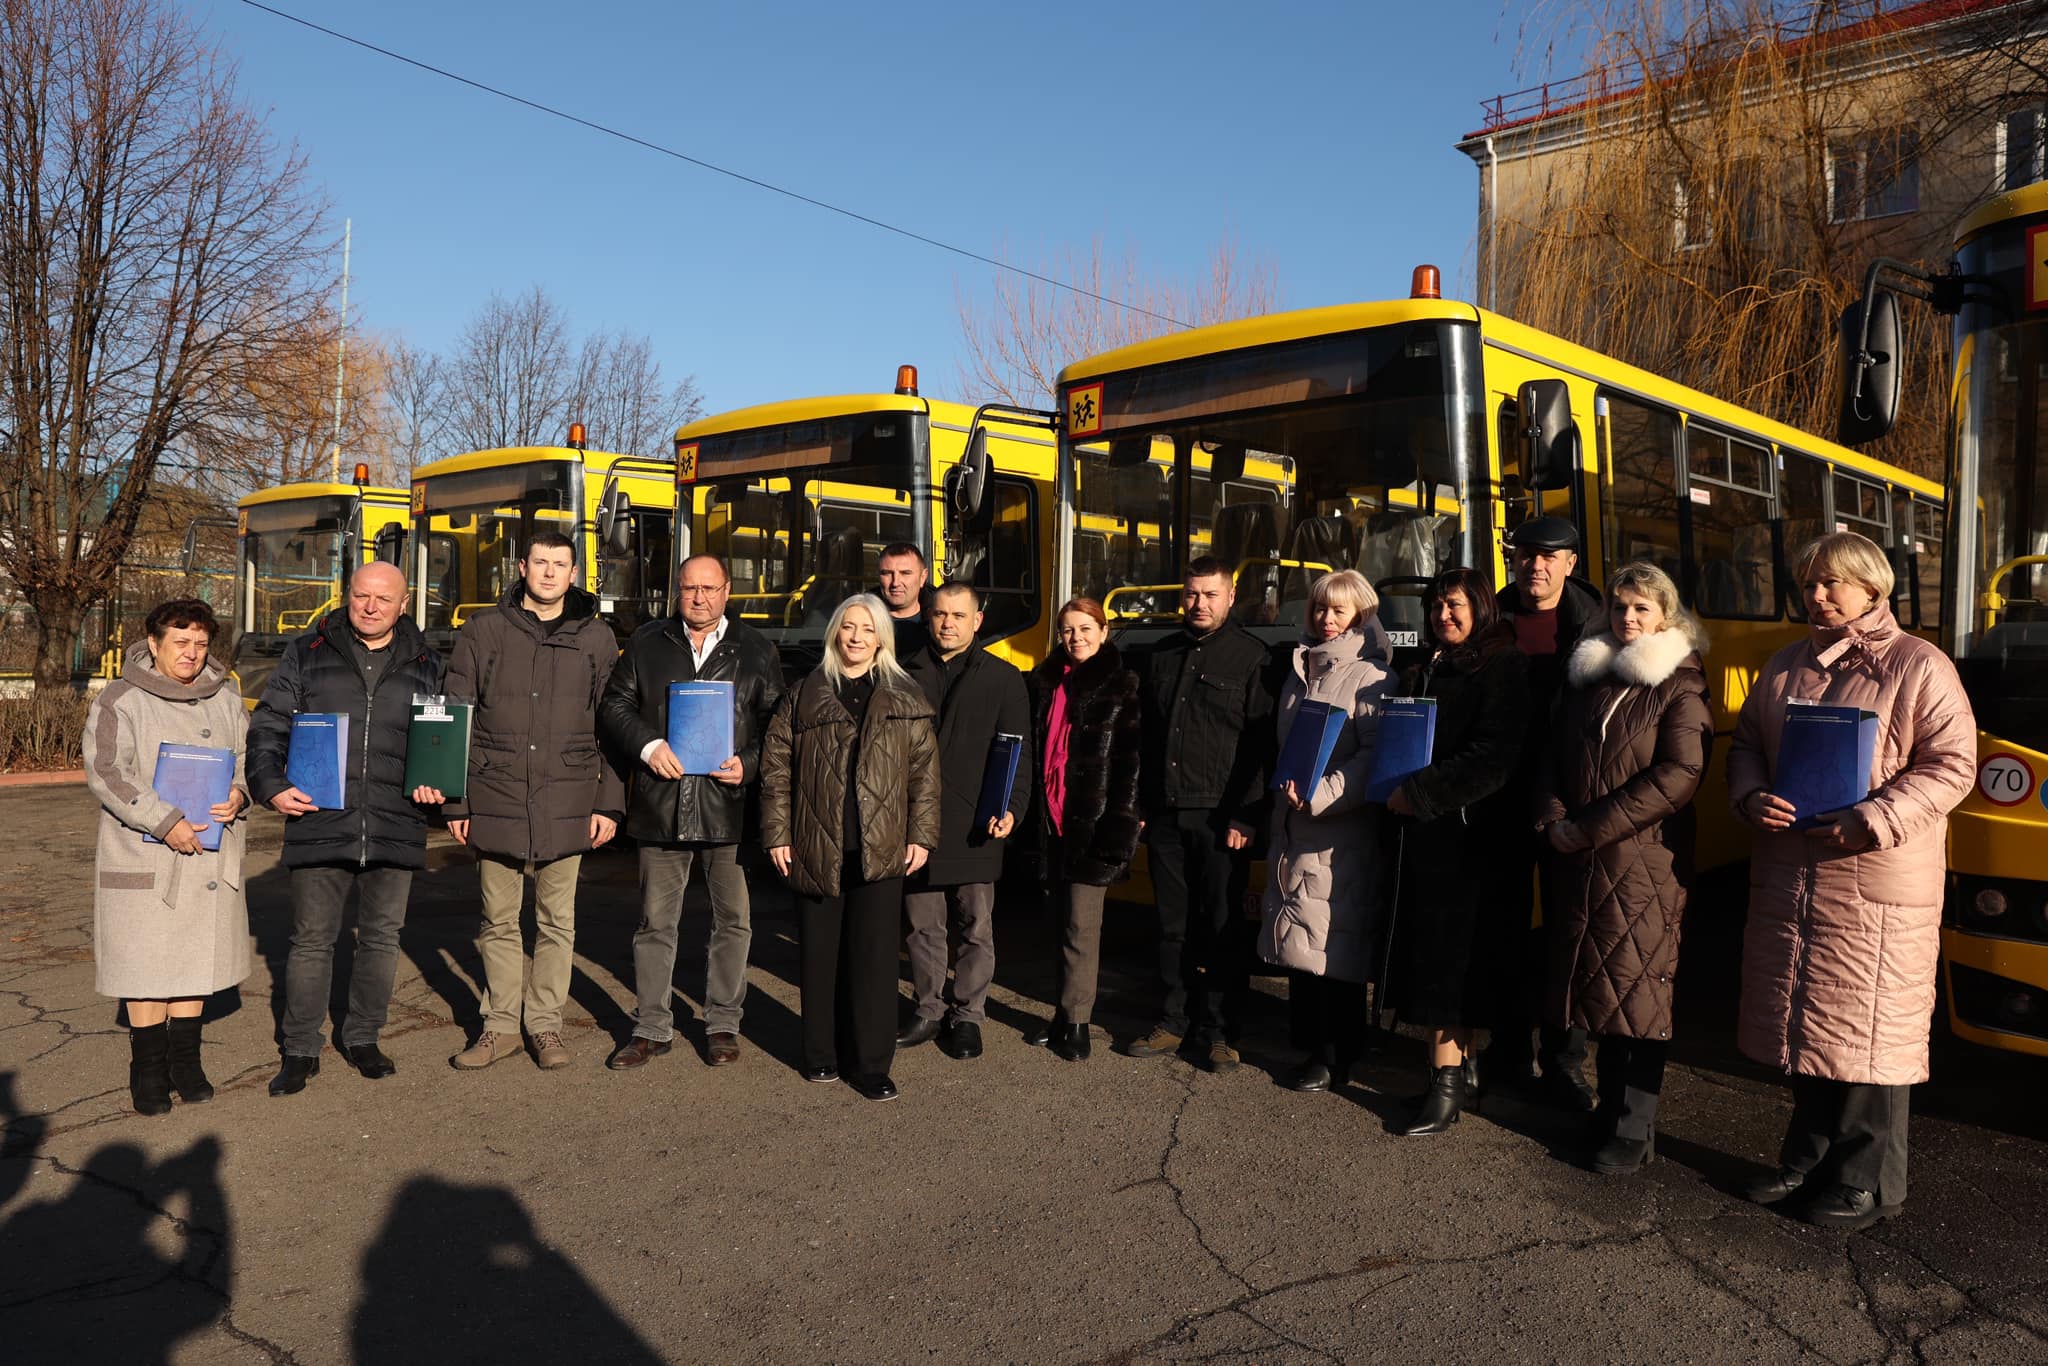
column 54, row 776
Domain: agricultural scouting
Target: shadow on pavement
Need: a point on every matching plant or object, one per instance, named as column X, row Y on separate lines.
column 458, row 1273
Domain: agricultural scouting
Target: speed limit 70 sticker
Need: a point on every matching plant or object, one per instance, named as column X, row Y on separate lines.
column 2005, row 780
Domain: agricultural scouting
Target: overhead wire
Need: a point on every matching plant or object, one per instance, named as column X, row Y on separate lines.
column 699, row 162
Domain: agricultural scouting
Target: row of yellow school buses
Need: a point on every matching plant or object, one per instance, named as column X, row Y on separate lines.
column 1398, row 438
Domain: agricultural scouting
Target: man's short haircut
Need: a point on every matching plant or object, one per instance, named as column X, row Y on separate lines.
column 705, row 557
column 896, row 550
column 548, row 540
column 1207, row 567
column 959, row 586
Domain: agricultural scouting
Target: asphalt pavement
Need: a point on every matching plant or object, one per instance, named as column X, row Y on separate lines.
column 1012, row 1208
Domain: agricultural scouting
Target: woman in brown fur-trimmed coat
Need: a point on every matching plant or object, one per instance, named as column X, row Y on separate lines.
column 1084, row 713
column 1632, row 730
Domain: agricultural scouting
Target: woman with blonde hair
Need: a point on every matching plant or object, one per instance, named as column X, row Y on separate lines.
column 1844, row 931
column 1322, row 904
column 1631, row 737
column 849, row 808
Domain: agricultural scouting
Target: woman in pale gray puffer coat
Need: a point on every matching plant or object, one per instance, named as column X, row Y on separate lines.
column 170, row 925
column 1323, row 901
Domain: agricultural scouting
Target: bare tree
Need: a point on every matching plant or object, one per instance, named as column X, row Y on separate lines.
column 287, row 430
column 156, row 253
column 512, row 377
column 1019, row 338
column 415, row 398
column 620, row 398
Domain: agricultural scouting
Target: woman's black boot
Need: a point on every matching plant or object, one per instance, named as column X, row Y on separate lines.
column 149, row 1069
column 186, row 1073
column 1440, row 1103
column 1070, row 1041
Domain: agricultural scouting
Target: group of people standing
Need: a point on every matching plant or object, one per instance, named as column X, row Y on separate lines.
column 1572, row 733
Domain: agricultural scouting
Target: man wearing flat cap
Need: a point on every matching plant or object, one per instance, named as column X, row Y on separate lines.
column 1549, row 610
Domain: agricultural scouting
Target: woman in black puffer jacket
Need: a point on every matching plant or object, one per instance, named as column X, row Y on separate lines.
column 1084, row 712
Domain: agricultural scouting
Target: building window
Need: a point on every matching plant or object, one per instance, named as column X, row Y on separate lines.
column 2023, row 147
column 1874, row 176
column 1692, row 222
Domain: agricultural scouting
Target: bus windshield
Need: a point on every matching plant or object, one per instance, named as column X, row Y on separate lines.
column 1358, row 451
column 473, row 524
column 292, row 554
column 1998, row 613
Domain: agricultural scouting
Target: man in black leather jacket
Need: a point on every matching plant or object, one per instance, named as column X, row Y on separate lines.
column 1208, row 718
column 679, row 819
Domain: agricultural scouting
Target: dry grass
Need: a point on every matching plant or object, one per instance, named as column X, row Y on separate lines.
column 42, row 733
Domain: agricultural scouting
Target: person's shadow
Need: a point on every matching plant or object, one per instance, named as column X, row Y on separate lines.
column 458, row 1273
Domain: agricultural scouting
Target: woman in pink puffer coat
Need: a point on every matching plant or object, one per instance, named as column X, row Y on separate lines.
column 1844, row 931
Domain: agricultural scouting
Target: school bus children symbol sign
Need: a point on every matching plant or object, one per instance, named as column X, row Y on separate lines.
column 1084, row 410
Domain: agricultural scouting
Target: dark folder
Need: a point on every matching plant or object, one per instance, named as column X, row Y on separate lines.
column 998, row 780
column 437, row 746
column 194, row 779
column 700, row 724
column 1824, row 758
column 1403, row 744
column 317, row 762
column 1311, row 739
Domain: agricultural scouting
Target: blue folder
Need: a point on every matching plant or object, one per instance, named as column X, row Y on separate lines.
column 194, row 779
column 700, row 724
column 317, row 762
column 1403, row 745
column 1310, row 741
column 998, row 780
column 1824, row 758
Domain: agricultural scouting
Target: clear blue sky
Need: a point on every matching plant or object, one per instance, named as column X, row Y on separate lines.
column 1319, row 136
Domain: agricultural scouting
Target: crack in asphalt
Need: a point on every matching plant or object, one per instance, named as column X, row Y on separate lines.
column 48, row 1015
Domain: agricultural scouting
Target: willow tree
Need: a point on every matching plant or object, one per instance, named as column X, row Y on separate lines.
column 1733, row 167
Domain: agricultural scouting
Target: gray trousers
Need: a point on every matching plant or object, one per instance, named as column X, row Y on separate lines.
column 319, row 895
column 1078, row 908
column 1852, row 1131
column 970, row 907
column 664, row 876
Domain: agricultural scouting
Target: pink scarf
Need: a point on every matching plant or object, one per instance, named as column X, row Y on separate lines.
column 1057, row 731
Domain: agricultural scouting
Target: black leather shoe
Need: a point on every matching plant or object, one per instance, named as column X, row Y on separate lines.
column 291, row 1078
column 368, row 1059
column 1773, row 1188
column 1440, row 1103
column 1310, row 1076
column 1567, row 1090
column 821, row 1074
column 1040, row 1034
column 1619, row 1156
column 919, row 1030
column 873, row 1086
column 961, row 1039
column 1071, row 1041
column 1845, row 1208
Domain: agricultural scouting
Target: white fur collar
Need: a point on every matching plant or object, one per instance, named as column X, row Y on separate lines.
column 1645, row 662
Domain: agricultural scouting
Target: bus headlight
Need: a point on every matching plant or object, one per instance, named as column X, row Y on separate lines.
column 2016, row 1009
column 1991, row 903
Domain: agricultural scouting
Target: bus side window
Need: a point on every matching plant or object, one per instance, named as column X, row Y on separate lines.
column 1008, row 575
column 1865, row 507
column 1924, row 539
column 1802, row 516
column 1728, row 517
column 1640, row 514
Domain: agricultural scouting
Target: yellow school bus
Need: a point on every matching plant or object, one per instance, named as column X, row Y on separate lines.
column 1412, row 435
column 298, row 545
column 1994, row 619
column 473, row 514
column 800, row 497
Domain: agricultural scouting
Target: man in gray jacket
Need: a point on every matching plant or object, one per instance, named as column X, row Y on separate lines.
column 541, row 791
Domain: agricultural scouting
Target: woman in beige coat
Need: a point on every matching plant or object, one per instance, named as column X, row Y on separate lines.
column 1322, row 906
column 170, row 926
column 1840, row 951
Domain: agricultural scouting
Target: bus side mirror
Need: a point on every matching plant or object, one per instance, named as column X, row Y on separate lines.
column 1126, row 452
column 614, row 529
column 1550, row 441
column 1226, row 462
column 1871, row 372
column 970, row 482
column 391, row 544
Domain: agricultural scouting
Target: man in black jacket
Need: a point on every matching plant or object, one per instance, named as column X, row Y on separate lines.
column 1208, row 703
column 1551, row 611
column 680, row 819
column 368, row 661
column 977, row 697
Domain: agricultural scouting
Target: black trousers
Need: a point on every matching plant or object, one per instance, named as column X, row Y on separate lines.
column 1205, row 943
column 849, row 974
column 1327, row 1018
column 1851, row 1132
column 1631, row 1073
column 1522, row 978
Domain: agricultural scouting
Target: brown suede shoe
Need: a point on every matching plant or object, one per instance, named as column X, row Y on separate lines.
column 487, row 1049
column 721, row 1048
column 549, row 1050
column 635, row 1052
column 1161, row 1042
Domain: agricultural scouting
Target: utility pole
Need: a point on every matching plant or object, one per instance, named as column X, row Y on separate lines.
column 341, row 354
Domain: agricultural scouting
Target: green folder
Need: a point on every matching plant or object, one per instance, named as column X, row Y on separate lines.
column 437, row 746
